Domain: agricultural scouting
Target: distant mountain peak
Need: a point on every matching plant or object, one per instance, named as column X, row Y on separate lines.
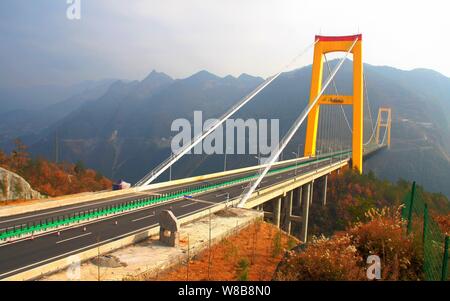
column 229, row 77
column 203, row 75
column 245, row 76
column 155, row 75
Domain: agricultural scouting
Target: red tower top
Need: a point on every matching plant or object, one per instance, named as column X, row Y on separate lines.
column 339, row 38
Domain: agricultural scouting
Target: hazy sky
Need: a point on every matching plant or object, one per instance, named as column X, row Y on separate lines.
column 129, row 38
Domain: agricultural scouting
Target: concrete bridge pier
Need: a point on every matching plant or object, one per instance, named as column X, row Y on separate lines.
column 277, row 211
column 287, row 224
column 307, row 197
column 311, row 192
column 299, row 195
column 325, row 184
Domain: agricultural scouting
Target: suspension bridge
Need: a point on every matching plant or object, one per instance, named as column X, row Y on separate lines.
column 340, row 132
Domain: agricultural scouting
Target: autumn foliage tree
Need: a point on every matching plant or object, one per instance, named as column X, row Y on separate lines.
column 50, row 178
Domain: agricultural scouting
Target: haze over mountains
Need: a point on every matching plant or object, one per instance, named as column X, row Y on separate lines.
column 26, row 112
column 123, row 130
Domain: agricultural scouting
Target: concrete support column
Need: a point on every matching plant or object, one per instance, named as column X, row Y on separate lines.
column 305, row 212
column 277, row 211
column 288, row 211
column 325, row 184
column 311, row 190
column 299, row 200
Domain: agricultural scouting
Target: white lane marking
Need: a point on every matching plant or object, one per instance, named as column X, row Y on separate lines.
column 72, row 238
column 141, row 218
column 189, row 204
column 219, row 195
column 203, row 201
column 278, row 177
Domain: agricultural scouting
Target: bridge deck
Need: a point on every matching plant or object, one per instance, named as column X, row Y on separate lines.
column 24, row 254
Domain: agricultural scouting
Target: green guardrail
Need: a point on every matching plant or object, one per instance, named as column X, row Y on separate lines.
column 19, row 231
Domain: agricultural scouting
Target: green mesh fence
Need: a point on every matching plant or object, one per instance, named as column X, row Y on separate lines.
column 434, row 242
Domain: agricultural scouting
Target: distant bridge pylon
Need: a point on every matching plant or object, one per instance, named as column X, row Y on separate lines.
column 385, row 124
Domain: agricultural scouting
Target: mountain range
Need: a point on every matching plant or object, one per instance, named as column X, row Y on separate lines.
column 123, row 128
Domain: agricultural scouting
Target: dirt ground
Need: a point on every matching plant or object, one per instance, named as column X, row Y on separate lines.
column 18, row 202
column 251, row 254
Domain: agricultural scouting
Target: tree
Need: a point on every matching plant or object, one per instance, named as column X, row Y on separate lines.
column 20, row 155
column 79, row 167
column 3, row 158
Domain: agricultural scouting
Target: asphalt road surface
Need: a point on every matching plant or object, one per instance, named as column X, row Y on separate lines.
column 18, row 256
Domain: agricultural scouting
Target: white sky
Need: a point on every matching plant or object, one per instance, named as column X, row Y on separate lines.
column 258, row 37
column 127, row 39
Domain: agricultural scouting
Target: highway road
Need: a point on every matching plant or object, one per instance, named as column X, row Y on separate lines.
column 24, row 254
column 9, row 222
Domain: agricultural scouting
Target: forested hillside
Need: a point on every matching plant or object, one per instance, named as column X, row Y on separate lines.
column 52, row 179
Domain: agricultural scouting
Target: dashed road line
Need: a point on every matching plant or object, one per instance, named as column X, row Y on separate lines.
column 141, row 218
column 72, row 238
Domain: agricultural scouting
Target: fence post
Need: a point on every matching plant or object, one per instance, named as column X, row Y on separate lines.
column 445, row 260
column 425, row 223
column 424, row 241
column 411, row 203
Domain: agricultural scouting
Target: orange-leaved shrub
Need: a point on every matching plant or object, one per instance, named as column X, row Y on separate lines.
column 384, row 235
column 444, row 222
column 323, row 259
column 343, row 256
